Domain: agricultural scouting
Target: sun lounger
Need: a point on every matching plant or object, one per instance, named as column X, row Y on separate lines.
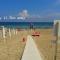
column 36, row 34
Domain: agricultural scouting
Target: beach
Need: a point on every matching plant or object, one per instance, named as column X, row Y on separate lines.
column 11, row 48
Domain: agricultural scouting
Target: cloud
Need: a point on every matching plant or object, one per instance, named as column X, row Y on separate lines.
column 49, row 14
column 24, row 14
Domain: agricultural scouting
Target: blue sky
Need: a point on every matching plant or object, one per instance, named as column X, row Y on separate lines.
column 49, row 9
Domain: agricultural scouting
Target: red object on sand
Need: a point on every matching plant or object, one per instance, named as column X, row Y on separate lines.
column 36, row 34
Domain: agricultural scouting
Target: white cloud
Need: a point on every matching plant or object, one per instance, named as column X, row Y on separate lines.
column 46, row 14
column 24, row 14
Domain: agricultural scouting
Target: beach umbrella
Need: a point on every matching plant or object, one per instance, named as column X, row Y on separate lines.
column 9, row 32
column 3, row 31
column 16, row 31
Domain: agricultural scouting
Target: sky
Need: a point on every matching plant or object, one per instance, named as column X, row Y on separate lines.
column 42, row 9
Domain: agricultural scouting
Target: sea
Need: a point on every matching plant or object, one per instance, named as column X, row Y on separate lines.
column 26, row 25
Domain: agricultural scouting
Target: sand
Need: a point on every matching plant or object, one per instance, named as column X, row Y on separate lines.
column 11, row 48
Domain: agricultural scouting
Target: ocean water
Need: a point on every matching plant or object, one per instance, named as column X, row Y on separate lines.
column 27, row 24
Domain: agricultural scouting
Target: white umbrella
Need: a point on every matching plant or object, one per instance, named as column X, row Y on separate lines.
column 9, row 32
column 3, row 32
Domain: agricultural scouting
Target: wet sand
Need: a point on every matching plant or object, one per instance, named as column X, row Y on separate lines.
column 11, row 48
